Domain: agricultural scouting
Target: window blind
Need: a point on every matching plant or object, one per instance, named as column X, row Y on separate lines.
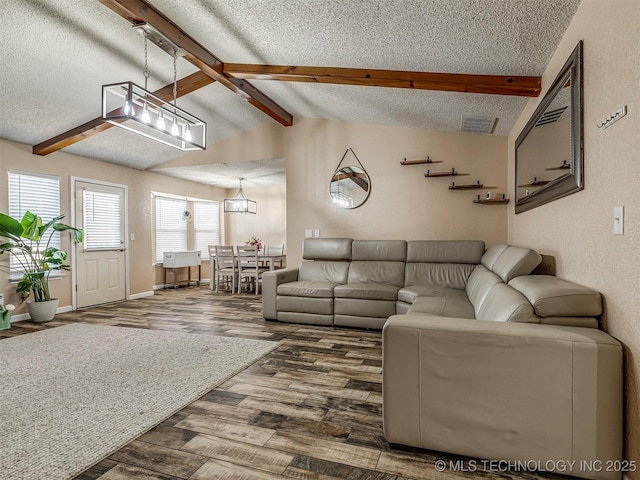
column 41, row 196
column 171, row 229
column 102, row 225
column 206, row 226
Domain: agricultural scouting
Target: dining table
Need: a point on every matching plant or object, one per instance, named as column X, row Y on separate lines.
column 271, row 260
column 263, row 258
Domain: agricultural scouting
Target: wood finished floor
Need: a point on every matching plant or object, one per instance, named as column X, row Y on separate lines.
column 311, row 409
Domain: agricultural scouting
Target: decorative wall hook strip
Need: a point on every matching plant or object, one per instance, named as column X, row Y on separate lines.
column 607, row 122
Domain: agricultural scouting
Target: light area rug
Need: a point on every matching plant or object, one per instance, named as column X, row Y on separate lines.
column 71, row 396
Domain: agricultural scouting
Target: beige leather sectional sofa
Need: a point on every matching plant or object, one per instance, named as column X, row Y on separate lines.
column 479, row 357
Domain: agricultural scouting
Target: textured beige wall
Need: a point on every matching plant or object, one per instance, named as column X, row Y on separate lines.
column 403, row 203
column 577, row 229
column 269, row 224
column 142, row 273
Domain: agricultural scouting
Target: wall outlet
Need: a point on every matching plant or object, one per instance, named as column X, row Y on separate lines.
column 316, row 233
column 308, row 234
column 618, row 220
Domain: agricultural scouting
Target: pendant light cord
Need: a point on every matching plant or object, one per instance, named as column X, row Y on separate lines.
column 175, row 78
column 146, row 61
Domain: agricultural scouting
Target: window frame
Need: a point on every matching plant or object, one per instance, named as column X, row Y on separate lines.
column 190, row 224
column 216, row 232
column 157, row 254
column 15, row 273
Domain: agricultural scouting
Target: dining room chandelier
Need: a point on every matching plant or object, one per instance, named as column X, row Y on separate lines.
column 129, row 106
column 239, row 203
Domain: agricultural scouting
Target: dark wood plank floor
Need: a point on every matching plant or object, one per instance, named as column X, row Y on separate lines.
column 311, row 409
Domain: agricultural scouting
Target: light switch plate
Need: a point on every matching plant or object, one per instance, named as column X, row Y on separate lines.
column 308, row 234
column 316, row 233
column 618, row 220
column 132, row 236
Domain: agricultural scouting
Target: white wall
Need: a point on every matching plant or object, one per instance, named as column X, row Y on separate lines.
column 577, row 229
column 269, row 224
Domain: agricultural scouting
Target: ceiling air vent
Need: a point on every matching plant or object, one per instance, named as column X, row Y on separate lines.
column 478, row 124
column 551, row 116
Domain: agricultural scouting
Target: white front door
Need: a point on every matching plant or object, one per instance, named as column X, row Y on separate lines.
column 100, row 259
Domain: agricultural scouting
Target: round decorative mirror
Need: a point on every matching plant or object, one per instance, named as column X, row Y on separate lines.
column 350, row 187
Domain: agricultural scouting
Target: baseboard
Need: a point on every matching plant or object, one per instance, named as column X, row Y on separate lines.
column 25, row 316
column 135, row 296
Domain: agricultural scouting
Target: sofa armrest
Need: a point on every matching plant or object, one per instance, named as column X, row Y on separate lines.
column 503, row 391
column 270, row 282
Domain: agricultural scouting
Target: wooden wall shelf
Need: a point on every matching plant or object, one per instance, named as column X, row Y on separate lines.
column 419, row 162
column 452, row 173
column 472, row 186
column 492, row 202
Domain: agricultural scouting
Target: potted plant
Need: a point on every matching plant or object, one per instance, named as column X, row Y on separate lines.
column 28, row 240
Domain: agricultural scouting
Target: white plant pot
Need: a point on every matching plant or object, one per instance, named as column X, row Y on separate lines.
column 42, row 311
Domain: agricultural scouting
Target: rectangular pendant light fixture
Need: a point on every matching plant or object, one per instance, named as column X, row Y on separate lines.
column 129, row 106
column 240, row 203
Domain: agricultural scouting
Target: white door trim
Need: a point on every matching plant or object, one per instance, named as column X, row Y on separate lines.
column 72, row 210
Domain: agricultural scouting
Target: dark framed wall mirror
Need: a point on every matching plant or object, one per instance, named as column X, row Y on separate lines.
column 550, row 149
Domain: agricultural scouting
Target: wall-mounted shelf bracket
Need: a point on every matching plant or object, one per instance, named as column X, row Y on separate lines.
column 471, row 186
column 419, row 162
column 452, row 173
column 502, row 200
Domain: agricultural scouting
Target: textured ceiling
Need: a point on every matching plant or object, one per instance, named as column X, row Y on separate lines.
column 227, row 175
column 57, row 54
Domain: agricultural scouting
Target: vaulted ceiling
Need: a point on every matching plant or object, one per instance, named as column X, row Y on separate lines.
column 56, row 55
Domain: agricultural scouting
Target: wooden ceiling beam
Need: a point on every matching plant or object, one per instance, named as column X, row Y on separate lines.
column 140, row 11
column 185, row 86
column 448, row 82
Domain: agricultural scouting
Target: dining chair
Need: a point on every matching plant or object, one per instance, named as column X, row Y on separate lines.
column 276, row 249
column 226, row 269
column 212, row 267
column 248, row 267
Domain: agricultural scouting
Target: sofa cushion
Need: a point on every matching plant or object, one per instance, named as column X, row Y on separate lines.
column 552, row 296
column 492, row 254
column 585, row 322
column 323, row 271
column 322, row 306
column 367, row 291
column 506, row 304
column 445, row 251
column 514, row 262
column 391, row 273
column 453, row 303
column 446, row 274
column 307, row 289
column 308, row 318
column 480, row 282
column 410, row 294
column 379, row 250
column 359, row 307
column 326, row 249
